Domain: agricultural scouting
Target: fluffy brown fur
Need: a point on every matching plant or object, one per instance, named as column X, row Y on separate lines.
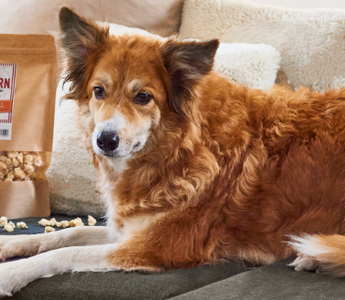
column 227, row 172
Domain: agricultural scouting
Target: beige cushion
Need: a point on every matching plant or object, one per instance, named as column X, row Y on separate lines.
column 41, row 16
column 311, row 42
column 71, row 176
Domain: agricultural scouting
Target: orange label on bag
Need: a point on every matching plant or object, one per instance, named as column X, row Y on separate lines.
column 5, row 106
column 8, row 72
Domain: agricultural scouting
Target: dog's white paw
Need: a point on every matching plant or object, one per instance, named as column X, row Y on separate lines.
column 4, row 293
column 18, row 246
column 11, row 278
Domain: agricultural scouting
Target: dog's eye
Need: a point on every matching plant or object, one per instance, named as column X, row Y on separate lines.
column 99, row 92
column 142, row 98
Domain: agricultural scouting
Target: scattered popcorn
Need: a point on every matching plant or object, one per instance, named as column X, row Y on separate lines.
column 63, row 224
column 9, row 227
column 45, row 222
column 48, row 229
column 76, row 222
column 53, row 222
column 48, row 224
column 3, row 221
column 91, row 220
column 21, row 225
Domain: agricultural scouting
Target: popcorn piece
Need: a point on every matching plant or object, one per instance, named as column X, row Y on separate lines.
column 3, row 167
column 91, row 220
column 48, row 229
column 63, row 224
column 9, row 227
column 10, row 175
column 53, row 222
column 3, row 221
column 2, row 176
column 20, row 158
column 12, row 154
column 15, row 163
column 19, row 173
column 5, row 160
column 76, row 222
column 38, row 161
column 21, row 225
column 28, row 169
column 45, row 222
column 29, row 159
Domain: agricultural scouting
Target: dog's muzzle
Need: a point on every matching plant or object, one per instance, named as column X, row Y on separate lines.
column 108, row 141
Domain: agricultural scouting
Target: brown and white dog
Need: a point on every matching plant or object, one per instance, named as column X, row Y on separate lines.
column 194, row 169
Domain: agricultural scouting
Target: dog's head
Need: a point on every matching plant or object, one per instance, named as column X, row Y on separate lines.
column 128, row 84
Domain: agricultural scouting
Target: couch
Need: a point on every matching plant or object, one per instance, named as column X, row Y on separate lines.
column 283, row 46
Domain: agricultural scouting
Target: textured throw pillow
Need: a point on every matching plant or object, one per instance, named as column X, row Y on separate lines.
column 311, row 42
column 71, row 174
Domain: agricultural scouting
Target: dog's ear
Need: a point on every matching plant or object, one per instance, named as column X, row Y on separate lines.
column 186, row 63
column 79, row 38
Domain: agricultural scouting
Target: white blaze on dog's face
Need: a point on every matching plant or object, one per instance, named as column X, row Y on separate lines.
column 123, row 102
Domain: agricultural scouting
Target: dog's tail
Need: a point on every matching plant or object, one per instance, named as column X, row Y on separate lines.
column 324, row 254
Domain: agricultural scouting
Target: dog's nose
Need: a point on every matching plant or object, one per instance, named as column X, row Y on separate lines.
column 108, row 140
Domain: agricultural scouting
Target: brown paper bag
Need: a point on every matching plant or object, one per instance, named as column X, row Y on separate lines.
column 27, row 98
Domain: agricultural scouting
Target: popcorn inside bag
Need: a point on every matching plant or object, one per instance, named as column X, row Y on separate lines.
column 19, row 166
column 28, row 82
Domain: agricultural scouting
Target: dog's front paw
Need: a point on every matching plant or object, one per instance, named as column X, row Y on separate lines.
column 11, row 279
column 18, row 246
column 4, row 293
